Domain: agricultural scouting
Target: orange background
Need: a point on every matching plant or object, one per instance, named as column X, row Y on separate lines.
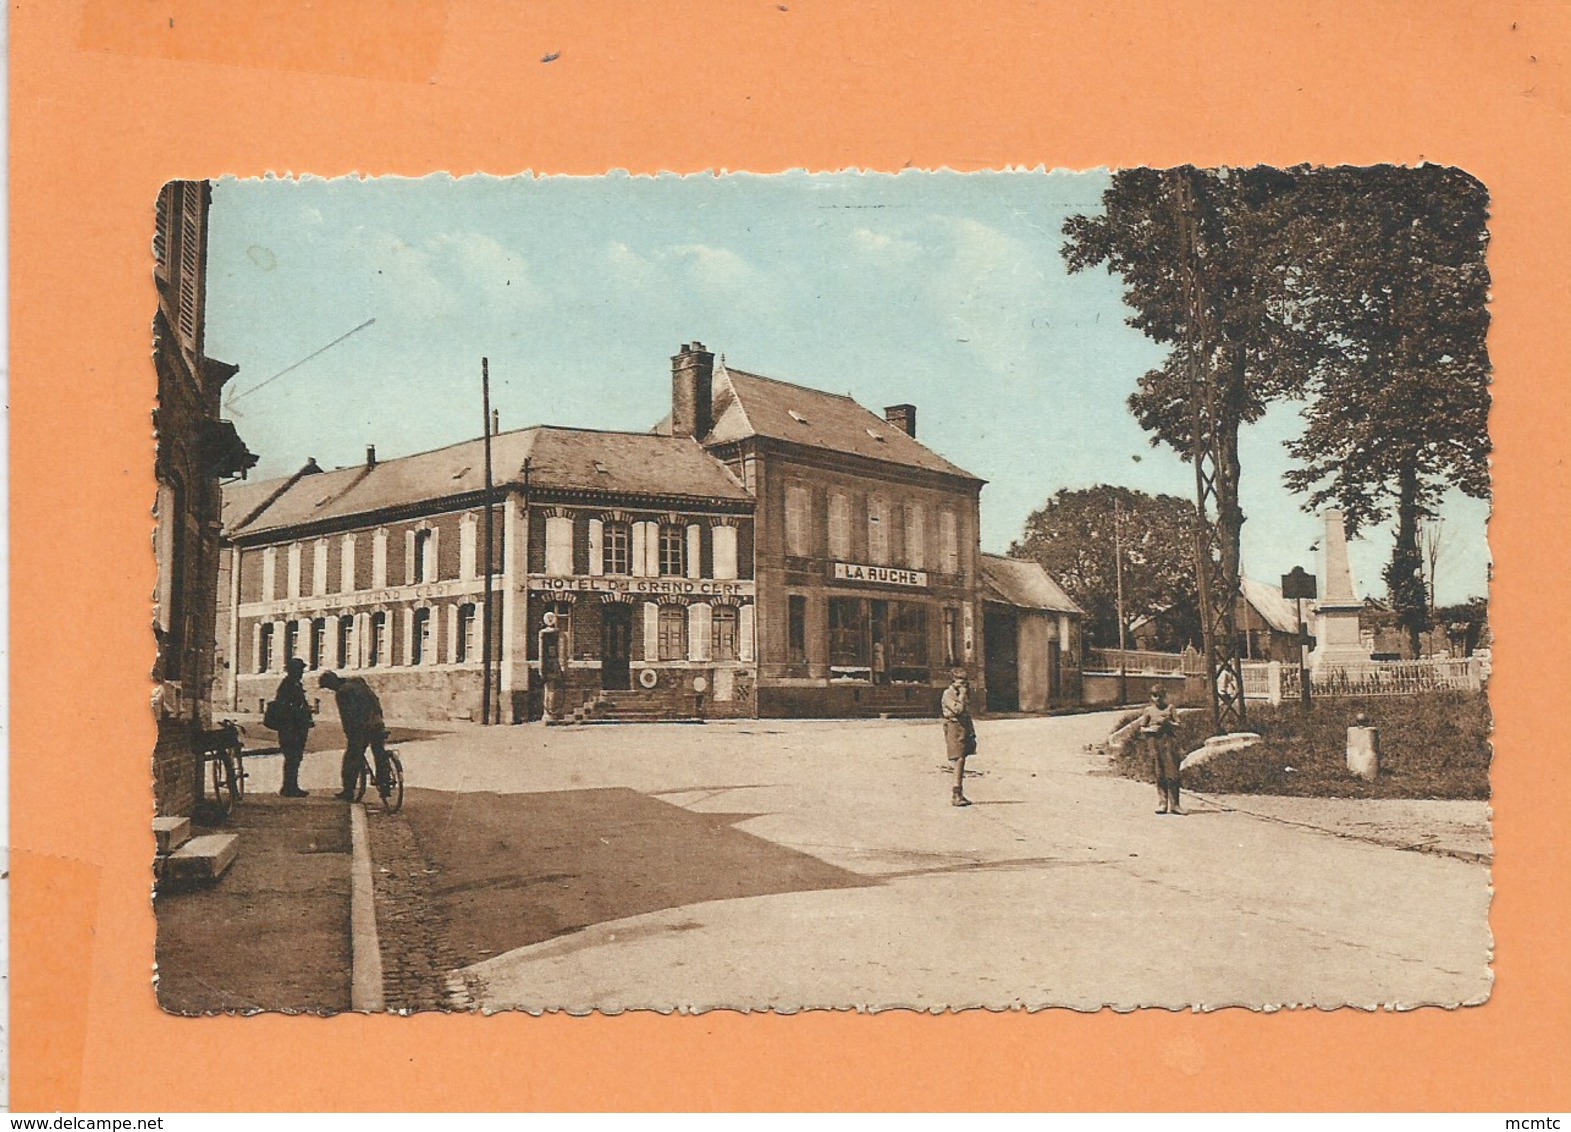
column 110, row 98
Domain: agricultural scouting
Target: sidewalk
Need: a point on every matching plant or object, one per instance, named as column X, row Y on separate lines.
column 273, row 934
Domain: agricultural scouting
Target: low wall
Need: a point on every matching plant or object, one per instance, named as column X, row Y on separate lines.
column 848, row 701
column 1109, row 689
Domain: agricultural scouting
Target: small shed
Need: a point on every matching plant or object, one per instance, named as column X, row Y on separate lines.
column 1031, row 637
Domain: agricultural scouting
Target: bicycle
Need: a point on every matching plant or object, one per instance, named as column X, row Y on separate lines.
column 222, row 753
column 393, row 796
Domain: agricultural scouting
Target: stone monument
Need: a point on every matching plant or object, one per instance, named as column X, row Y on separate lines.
column 1337, row 640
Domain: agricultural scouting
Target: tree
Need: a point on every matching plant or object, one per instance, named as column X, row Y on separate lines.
column 1393, row 294
column 1073, row 536
column 1205, row 260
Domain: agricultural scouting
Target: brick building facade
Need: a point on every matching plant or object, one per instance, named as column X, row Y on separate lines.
column 769, row 549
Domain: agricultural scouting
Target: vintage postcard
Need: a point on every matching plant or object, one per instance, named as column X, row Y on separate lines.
column 1010, row 589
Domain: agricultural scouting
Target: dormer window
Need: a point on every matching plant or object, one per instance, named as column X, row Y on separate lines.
column 601, row 468
column 796, row 416
column 878, row 436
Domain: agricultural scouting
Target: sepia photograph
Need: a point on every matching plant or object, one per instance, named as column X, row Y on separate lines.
column 854, row 591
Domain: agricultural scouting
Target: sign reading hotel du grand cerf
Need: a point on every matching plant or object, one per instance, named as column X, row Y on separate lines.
column 623, row 584
column 884, row 575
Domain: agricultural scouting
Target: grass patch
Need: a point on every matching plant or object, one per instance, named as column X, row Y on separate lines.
column 1431, row 746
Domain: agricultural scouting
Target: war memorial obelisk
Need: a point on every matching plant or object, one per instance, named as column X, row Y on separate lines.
column 1338, row 643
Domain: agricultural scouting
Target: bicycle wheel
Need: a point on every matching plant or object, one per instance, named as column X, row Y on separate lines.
column 223, row 770
column 393, row 799
column 360, row 780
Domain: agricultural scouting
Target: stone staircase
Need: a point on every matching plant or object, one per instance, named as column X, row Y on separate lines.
column 183, row 859
column 633, row 705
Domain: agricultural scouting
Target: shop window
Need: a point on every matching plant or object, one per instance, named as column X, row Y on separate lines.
column 616, row 548
column 796, row 631
column 722, row 633
column 673, row 632
column 465, row 645
column 673, row 551
column 951, row 636
column 421, row 644
column 318, row 642
column 850, row 651
column 264, row 652
column 378, row 642
column 346, row 641
column 908, row 642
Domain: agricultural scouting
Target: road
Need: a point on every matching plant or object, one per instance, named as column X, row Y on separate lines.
column 799, row 864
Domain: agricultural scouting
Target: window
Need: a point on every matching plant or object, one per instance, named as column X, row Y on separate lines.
column 616, row 549
column 950, row 539
column 796, row 632
column 264, row 650
column 797, row 520
column 423, row 566
column 346, row 641
column 559, row 545
column 673, row 632
column 722, row 633
column 916, row 536
column 951, row 636
column 465, row 645
column 291, row 639
column 849, row 651
column 318, row 641
column 877, row 532
column 839, row 525
column 673, row 551
column 908, row 641
column 421, row 645
column 378, row 640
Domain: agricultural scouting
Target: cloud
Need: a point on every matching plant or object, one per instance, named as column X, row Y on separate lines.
column 884, row 246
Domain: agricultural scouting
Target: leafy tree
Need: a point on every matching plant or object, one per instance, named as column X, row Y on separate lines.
column 1073, row 537
column 1205, row 265
column 1393, row 295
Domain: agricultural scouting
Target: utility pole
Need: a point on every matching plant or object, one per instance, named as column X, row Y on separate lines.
column 485, row 631
column 1118, row 580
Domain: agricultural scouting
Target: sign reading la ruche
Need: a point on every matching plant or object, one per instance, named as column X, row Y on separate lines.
column 886, row 575
column 622, row 584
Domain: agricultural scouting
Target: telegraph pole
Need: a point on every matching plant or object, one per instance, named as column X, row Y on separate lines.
column 1118, row 576
column 485, row 631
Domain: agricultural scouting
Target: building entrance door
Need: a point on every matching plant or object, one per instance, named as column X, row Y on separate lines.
column 1001, row 639
column 616, row 644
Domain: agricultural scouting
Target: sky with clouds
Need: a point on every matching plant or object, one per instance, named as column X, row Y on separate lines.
column 944, row 290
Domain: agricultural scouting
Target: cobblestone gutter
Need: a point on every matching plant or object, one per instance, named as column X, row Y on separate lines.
column 416, row 953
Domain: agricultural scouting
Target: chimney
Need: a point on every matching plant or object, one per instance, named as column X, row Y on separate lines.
column 370, row 456
column 312, row 468
column 902, row 417
column 692, row 391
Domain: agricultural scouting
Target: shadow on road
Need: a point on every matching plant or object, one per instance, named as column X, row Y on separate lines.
column 509, row 870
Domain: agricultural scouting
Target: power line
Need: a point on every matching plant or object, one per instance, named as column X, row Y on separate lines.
column 301, row 362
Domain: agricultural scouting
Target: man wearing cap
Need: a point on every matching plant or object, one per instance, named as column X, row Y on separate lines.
column 1158, row 724
column 290, row 715
column 361, row 714
column 959, row 731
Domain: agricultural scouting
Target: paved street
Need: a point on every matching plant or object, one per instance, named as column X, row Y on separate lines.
column 784, row 865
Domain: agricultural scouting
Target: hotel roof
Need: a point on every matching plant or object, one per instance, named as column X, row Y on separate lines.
column 564, row 459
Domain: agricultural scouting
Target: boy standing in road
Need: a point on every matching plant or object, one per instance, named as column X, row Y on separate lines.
column 959, row 731
column 1158, row 724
